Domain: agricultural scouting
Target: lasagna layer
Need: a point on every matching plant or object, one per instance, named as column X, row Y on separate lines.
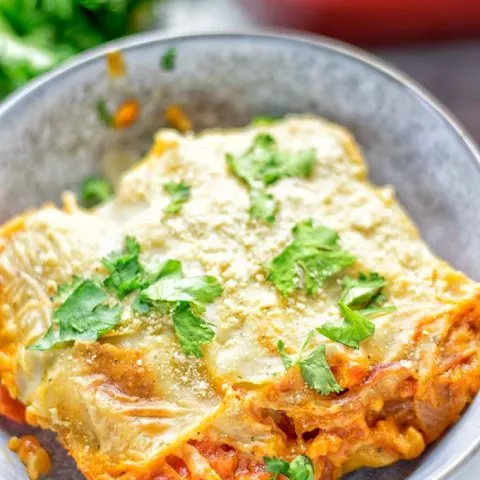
column 134, row 405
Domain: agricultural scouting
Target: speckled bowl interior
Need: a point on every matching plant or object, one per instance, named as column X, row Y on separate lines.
column 50, row 138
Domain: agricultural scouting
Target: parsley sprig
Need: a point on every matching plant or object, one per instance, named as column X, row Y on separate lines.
column 314, row 367
column 263, row 164
column 300, row 468
column 312, row 258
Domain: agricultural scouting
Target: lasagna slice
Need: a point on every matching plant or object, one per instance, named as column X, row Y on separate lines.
column 247, row 306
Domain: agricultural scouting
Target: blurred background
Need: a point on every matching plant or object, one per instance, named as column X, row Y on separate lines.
column 435, row 41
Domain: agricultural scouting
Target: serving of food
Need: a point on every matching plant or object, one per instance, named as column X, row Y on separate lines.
column 245, row 303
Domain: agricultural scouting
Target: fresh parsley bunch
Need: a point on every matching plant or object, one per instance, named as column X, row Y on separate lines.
column 37, row 35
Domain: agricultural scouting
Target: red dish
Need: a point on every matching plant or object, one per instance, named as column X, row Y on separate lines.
column 373, row 21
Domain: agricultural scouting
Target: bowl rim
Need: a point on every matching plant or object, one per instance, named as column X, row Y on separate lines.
column 359, row 55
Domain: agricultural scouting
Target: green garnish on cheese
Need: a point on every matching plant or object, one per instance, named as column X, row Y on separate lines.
column 183, row 298
column 314, row 367
column 180, row 193
column 85, row 315
column 263, row 164
column 307, row 262
column 361, row 299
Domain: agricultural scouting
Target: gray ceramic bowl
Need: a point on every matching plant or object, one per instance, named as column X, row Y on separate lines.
column 50, row 138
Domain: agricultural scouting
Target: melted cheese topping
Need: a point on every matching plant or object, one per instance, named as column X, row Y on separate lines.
column 133, row 398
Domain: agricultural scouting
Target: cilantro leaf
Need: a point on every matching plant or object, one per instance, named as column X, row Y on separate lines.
column 314, row 368
column 66, row 289
column 300, row 468
column 84, row 315
column 287, row 361
column 180, row 193
column 317, row 374
column 171, row 268
column 263, row 206
column 169, row 59
column 312, row 258
column 355, row 328
column 197, row 290
column 276, row 466
column 94, row 191
column 365, row 295
column 364, row 291
column 180, row 297
column 192, row 331
column 263, row 164
column 125, row 269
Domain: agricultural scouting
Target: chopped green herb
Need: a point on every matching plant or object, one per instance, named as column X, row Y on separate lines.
column 196, row 290
column 287, row 361
column 363, row 292
column 172, row 269
column 263, row 206
column 276, row 466
column 103, row 113
column 94, row 191
column 300, row 468
column 314, row 251
column 174, row 294
column 192, row 331
column 264, row 120
column 180, row 193
column 355, row 328
column 169, row 59
column 263, row 164
column 125, row 269
column 317, row 374
column 314, row 368
column 66, row 289
column 85, row 315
